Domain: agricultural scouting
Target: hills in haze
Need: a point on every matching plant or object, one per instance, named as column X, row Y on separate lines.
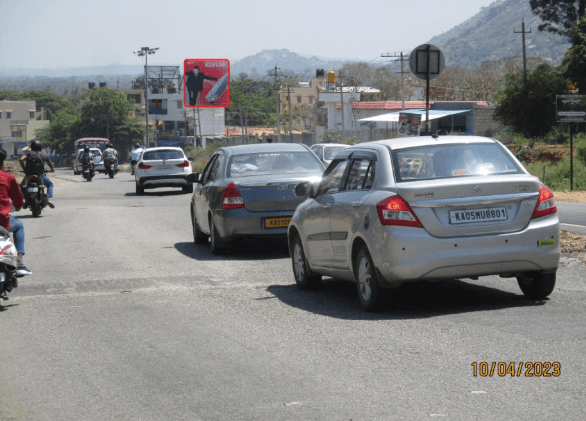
column 491, row 34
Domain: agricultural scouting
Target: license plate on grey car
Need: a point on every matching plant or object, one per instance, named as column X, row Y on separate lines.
column 478, row 215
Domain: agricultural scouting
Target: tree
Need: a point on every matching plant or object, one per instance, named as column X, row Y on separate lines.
column 530, row 110
column 251, row 103
column 106, row 113
column 574, row 63
column 558, row 16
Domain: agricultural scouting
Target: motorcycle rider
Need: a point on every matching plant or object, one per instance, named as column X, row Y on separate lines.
column 109, row 153
column 37, row 149
column 135, row 155
column 11, row 196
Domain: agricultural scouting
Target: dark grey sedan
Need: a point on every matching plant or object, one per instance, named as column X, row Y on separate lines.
column 247, row 191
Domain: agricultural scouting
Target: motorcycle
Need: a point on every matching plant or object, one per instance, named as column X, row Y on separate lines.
column 88, row 171
column 8, row 264
column 110, row 167
column 35, row 194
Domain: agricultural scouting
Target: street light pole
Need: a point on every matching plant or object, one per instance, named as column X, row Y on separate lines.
column 145, row 51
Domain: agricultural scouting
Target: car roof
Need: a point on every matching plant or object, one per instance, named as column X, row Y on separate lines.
column 409, row 142
column 331, row 144
column 266, row 147
column 91, row 149
column 162, row 148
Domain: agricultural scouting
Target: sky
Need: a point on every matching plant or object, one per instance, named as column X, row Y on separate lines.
column 53, row 34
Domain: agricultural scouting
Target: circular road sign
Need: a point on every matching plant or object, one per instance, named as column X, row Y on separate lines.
column 418, row 61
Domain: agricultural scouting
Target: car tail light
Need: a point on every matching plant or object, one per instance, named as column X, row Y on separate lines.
column 232, row 198
column 545, row 203
column 396, row 211
column 101, row 158
column 143, row 166
column 184, row 164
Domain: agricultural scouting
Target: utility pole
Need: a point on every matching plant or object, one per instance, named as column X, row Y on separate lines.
column 523, row 32
column 277, row 99
column 342, row 103
column 144, row 52
column 402, row 73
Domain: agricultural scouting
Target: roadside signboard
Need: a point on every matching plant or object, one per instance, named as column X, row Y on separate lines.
column 571, row 108
column 206, row 83
column 419, row 58
column 409, row 124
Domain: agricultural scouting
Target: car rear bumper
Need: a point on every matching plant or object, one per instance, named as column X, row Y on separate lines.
column 163, row 181
column 415, row 255
column 234, row 223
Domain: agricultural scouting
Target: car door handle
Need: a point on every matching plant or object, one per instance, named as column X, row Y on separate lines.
column 356, row 204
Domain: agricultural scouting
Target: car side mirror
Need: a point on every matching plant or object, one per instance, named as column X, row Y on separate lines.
column 133, row 162
column 304, row 189
column 193, row 177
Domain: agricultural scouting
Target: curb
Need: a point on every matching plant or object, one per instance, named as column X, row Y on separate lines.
column 574, row 229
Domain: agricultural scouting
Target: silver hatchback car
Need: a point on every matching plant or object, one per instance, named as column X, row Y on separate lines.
column 425, row 208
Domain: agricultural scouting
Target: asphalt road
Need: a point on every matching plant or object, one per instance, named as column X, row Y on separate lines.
column 125, row 318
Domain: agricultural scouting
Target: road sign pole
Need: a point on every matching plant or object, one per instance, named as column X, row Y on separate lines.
column 427, row 90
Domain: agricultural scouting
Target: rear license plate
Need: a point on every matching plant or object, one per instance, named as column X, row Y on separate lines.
column 277, row 222
column 33, row 189
column 164, row 167
column 478, row 215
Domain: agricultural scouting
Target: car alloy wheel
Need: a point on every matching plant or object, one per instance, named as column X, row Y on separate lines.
column 303, row 278
column 370, row 293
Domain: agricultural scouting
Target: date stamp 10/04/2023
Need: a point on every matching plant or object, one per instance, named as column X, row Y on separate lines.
column 516, row 369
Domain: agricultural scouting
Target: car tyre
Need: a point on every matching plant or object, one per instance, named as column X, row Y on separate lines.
column 537, row 285
column 139, row 190
column 217, row 243
column 198, row 236
column 304, row 279
column 370, row 293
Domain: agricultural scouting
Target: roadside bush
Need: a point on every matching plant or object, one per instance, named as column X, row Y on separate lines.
column 557, row 177
column 201, row 156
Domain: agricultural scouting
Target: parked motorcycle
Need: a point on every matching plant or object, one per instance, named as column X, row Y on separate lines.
column 88, row 171
column 8, row 264
column 110, row 167
column 35, row 194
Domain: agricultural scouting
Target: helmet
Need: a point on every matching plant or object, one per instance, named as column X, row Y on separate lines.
column 137, row 145
column 108, row 145
column 36, row 146
column 86, row 148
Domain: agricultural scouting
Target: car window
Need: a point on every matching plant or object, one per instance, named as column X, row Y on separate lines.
column 163, row 155
column 330, row 182
column 361, row 174
column 206, row 172
column 458, row 160
column 331, row 151
column 252, row 164
column 215, row 169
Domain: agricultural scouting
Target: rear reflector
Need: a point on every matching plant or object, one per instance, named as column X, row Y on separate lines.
column 545, row 203
column 396, row 211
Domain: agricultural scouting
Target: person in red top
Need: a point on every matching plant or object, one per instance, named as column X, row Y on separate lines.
column 11, row 195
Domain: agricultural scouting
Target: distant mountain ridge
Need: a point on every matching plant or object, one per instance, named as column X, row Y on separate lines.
column 489, row 35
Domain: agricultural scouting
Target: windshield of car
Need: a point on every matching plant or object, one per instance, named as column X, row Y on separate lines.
column 331, row 151
column 273, row 163
column 162, row 155
column 447, row 161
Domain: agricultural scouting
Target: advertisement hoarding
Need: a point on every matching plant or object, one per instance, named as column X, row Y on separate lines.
column 571, row 108
column 206, row 82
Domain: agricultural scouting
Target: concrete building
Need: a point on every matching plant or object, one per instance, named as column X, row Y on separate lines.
column 169, row 121
column 19, row 124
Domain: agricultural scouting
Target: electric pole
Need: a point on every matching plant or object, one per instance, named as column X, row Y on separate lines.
column 402, row 73
column 276, row 81
column 342, row 103
column 290, row 111
column 523, row 32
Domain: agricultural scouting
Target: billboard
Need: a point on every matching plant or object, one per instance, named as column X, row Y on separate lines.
column 206, row 82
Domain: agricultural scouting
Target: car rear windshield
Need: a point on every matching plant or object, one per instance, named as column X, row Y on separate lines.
column 162, row 155
column 273, row 163
column 447, row 161
column 331, row 151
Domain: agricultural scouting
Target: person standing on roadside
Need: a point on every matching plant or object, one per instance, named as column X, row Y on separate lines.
column 135, row 156
column 11, row 196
